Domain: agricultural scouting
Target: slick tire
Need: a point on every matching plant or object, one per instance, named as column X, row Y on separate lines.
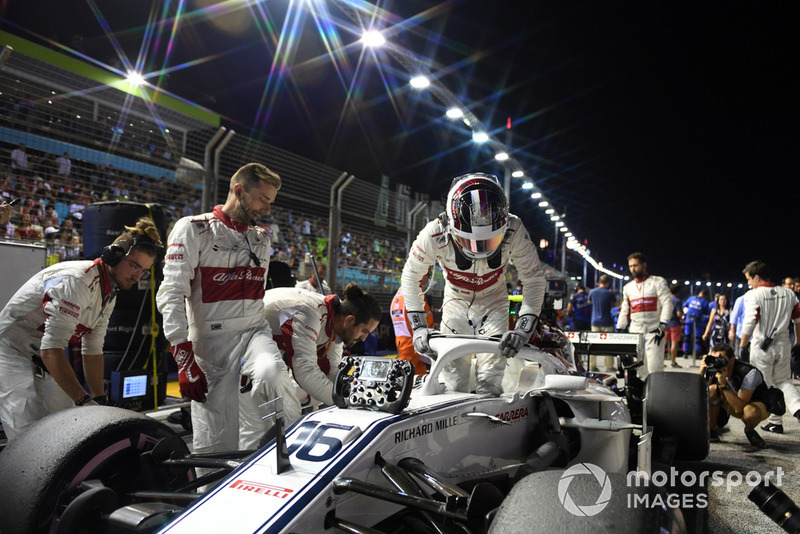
column 677, row 408
column 42, row 469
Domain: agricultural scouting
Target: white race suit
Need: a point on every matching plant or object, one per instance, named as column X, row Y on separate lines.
column 475, row 294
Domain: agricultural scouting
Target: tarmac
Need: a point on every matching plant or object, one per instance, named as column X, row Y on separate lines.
column 732, row 468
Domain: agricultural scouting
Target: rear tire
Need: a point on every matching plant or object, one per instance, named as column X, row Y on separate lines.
column 44, row 466
column 677, row 408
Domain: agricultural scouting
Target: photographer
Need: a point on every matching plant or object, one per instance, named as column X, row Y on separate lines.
column 739, row 389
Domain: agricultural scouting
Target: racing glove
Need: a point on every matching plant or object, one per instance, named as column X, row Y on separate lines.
column 513, row 340
column 422, row 333
column 191, row 379
column 659, row 332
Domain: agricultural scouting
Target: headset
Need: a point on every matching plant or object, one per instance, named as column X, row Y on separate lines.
column 114, row 253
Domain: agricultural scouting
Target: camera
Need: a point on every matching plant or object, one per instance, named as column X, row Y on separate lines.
column 777, row 506
column 715, row 362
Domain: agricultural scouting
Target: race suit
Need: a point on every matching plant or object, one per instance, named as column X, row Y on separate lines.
column 475, row 296
column 768, row 309
column 403, row 334
column 212, row 296
column 301, row 323
column 646, row 304
column 69, row 302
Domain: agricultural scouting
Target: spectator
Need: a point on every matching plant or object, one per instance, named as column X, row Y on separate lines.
column 6, row 211
column 768, row 309
column 719, row 321
column 646, row 305
column 25, row 231
column 19, row 161
column 602, row 300
column 674, row 326
column 63, row 165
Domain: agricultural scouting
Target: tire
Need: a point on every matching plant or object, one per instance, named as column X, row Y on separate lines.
column 41, row 469
column 536, row 504
column 677, row 408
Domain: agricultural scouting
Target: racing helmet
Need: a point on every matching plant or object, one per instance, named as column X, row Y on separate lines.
column 477, row 214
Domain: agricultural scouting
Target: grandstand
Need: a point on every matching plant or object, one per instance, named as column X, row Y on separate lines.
column 128, row 144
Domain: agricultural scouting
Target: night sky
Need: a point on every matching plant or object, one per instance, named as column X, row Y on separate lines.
column 664, row 128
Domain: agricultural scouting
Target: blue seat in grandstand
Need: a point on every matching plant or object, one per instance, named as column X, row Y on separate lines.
column 62, row 208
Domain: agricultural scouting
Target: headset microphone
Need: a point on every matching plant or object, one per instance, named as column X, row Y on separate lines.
column 244, row 208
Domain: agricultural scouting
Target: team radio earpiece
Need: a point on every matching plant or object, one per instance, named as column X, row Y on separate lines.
column 114, row 253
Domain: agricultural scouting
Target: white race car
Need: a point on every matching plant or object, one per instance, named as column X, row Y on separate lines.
column 392, row 456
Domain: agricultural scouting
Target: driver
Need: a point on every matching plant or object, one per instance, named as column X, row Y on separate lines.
column 310, row 330
column 737, row 388
column 67, row 302
column 473, row 241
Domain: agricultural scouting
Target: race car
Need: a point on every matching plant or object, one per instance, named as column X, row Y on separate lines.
column 396, row 454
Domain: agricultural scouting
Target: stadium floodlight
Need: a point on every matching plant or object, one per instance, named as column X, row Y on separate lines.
column 373, row 39
column 420, row 82
column 501, row 156
column 544, row 204
column 526, row 185
column 519, row 174
column 480, row 137
column 454, row 113
column 135, row 78
column 536, row 195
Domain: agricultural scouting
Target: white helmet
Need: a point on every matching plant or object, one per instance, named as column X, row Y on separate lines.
column 477, row 214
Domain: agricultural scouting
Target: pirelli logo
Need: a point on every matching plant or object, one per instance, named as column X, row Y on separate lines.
column 262, row 489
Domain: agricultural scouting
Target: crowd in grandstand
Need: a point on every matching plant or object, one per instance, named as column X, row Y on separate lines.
column 54, row 190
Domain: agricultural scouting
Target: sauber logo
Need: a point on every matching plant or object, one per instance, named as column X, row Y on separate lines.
column 263, row 489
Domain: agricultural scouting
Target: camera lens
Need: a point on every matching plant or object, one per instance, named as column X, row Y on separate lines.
column 777, row 506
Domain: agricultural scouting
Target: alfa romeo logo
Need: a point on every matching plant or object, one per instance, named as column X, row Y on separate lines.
column 584, row 510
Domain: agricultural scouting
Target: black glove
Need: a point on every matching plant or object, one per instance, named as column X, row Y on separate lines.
column 659, row 332
column 513, row 340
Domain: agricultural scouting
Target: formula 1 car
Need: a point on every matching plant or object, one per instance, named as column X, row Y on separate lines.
column 394, row 455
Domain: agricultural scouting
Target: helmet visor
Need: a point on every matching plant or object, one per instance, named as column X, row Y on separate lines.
column 479, row 247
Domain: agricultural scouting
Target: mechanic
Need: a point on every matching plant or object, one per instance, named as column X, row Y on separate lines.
column 647, row 307
column 473, row 242
column 211, row 301
column 312, row 284
column 69, row 302
column 768, row 310
column 310, row 330
column 738, row 388
column 403, row 336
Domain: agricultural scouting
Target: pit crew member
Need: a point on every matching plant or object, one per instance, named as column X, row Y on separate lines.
column 67, row 302
column 310, row 330
column 768, row 310
column 211, row 301
column 473, row 241
column 647, row 307
column 403, row 336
